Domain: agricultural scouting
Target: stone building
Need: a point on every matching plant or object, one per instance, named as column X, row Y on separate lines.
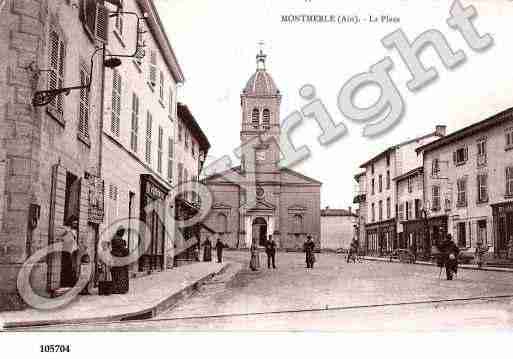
column 191, row 149
column 287, row 203
column 360, row 200
column 411, row 221
column 381, row 196
column 468, row 187
column 50, row 174
column 337, row 228
column 139, row 130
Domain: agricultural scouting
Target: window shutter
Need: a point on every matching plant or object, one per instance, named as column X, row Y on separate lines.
column 455, row 157
column 466, row 153
column 135, row 122
column 116, row 102
column 102, row 23
column 83, row 123
column 153, row 67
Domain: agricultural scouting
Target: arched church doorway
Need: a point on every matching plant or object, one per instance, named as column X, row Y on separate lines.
column 259, row 231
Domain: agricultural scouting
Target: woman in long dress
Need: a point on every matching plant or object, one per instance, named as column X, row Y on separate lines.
column 207, row 250
column 254, row 263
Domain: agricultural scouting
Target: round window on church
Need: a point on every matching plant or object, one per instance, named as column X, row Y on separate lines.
column 260, row 192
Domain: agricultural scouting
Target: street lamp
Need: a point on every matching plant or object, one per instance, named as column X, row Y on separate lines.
column 44, row 97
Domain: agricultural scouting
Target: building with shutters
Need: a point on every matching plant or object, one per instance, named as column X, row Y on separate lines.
column 468, row 186
column 380, row 193
column 50, row 173
column 287, row 204
column 140, row 125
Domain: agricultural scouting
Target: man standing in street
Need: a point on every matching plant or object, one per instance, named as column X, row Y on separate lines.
column 309, row 248
column 270, row 250
column 219, row 248
column 449, row 256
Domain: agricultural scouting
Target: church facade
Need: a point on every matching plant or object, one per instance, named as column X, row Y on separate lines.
column 287, row 204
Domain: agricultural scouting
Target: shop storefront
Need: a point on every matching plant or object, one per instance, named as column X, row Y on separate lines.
column 381, row 237
column 503, row 228
column 415, row 239
column 152, row 192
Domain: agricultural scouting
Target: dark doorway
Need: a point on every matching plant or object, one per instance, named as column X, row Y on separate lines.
column 260, row 231
column 71, row 215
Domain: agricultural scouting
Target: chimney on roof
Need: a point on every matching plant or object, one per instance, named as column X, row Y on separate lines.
column 440, row 130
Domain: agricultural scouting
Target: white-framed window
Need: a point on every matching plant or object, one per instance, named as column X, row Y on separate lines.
column 116, row 103
column 149, row 125
column 55, row 79
column 482, row 187
column 460, row 156
column 389, row 208
column 134, row 128
column 509, row 138
column 481, row 152
column 435, row 198
column 462, row 192
column 435, row 167
column 373, row 212
column 509, row 181
column 380, row 210
column 83, row 112
column 400, row 210
column 388, row 179
column 410, row 184
column 380, row 183
column 298, row 223
column 160, row 149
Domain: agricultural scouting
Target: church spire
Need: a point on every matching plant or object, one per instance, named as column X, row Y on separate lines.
column 261, row 57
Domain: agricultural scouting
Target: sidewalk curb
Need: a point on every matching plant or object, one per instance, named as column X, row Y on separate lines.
column 462, row 266
column 145, row 313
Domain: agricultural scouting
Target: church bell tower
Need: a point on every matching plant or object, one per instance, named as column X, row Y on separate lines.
column 260, row 102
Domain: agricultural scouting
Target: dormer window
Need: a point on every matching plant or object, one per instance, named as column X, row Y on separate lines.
column 255, row 118
column 266, row 119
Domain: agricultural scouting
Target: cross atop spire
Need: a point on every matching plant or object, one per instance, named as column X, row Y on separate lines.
column 261, row 57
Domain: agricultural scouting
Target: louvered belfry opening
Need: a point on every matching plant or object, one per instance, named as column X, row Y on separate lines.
column 255, row 118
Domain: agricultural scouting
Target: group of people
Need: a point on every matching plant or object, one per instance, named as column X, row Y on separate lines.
column 207, row 250
column 270, row 250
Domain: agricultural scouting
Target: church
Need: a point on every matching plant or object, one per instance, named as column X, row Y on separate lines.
column 287, row 204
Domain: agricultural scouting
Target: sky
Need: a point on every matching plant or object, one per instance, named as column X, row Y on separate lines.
column 216, row 43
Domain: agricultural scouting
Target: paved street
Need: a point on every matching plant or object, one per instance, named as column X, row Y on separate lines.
column 338, row 296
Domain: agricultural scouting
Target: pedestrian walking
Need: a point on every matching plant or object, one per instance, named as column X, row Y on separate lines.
column 309, row 247
column 448, row 257
column 353, row 250
column 270, row 250
column 219, row 248
column 119, row 272
column 207, row 250
column 254, row 262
